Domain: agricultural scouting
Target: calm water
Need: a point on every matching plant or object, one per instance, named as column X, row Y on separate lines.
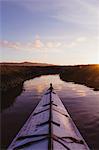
column 81, row 102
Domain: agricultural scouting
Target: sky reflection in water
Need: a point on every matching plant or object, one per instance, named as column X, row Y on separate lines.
column 40, row 84
column 81, row 102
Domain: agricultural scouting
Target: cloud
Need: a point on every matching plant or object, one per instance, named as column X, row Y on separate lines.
column 48, row 46
column 76, row 42
column 37, row 44
column 53, row 44
column 80, row 13
column 81, row 39
column 9, row 44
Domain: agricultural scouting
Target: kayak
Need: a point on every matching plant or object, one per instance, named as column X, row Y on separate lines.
column 49, row 127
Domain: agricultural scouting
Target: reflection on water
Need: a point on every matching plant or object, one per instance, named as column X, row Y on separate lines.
column 9, row 96
column 40, row 84
column 81, row 102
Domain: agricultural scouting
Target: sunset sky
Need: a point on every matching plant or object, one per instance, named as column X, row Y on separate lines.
column 51, row 31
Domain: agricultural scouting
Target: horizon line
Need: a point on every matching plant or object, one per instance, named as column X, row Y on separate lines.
column 19, row 62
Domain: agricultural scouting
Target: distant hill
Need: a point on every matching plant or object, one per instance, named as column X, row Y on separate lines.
column 25, row 64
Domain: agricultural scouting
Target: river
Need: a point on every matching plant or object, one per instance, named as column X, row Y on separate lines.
column 81, row 102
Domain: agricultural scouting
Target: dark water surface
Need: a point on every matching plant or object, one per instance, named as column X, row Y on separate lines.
column 81, row 102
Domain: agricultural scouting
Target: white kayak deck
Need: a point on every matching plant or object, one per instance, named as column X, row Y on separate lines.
column 49, row 127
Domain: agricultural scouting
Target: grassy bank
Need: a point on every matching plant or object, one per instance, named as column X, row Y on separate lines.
column 82, row 74
column 12, row 76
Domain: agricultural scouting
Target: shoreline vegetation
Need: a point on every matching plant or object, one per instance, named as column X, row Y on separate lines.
column 87, row 75
column 13, row 76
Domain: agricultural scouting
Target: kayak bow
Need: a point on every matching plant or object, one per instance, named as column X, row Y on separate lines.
column 49, row 127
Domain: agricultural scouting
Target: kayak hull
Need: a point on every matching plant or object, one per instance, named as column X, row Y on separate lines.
column 49, row 127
